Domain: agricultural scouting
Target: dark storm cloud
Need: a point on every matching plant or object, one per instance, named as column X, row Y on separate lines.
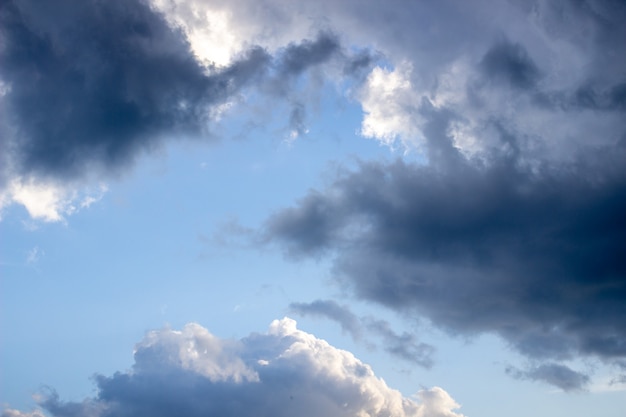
column 285, row 372
column 509, row 62
column 532, row 252
column 297, row 58
column 91, row 84
column 554, row 374
column 361, row 63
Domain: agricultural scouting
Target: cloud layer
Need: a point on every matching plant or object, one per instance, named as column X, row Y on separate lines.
column 284, row 372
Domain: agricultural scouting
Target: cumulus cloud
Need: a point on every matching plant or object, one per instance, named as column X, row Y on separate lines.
column 94, row 93
column 91, row 96
column 87, row 87
column 549, row 74
column 531, row 253
column 511, row 222
column 390, row 106
column 283, row 372
column 513, row 227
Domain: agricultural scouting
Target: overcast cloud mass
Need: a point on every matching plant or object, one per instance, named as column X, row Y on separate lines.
column 514, row 225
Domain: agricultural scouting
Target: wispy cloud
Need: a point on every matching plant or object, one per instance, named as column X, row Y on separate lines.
column 552, row 373
column 405, row 346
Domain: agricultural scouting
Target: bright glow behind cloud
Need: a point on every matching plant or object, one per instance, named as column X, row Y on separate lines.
column 209, row 30
column 390, row 106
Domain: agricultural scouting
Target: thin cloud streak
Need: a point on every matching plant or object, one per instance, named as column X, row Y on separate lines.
column 403, row 346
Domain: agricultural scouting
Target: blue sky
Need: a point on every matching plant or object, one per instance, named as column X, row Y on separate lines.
column 432, row 191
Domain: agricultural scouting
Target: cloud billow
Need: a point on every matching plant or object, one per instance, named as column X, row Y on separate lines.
column 92, row 83
column 89, row 85
column 284, row 372
column 534, row 254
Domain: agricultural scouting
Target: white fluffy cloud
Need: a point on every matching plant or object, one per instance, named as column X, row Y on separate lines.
column 49, row 202
column 193, row 349
column 284, row 372
column 391, row 106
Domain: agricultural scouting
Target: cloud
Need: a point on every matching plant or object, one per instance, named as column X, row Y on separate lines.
column 498, row 68
column 404, row 346
column 89, row 96
column 330, row 309
column 84, row 101
column 299, row 57
column 554, row 374
column 16, row 413
column 533, row 253
column 283, row 372
column 390, row 105
column 34, row 255
column 48, row 201
column 510, row 63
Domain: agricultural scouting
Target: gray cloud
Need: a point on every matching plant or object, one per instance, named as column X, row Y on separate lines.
column 90, row 85
column 284, row 372
column 298, row 57
column 554, row 374
column 297, row 119
column 403, row 346
column 509, row 63
column 533, row 253
column 332, row 310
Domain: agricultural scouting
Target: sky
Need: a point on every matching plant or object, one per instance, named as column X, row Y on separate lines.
column 294, row 208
